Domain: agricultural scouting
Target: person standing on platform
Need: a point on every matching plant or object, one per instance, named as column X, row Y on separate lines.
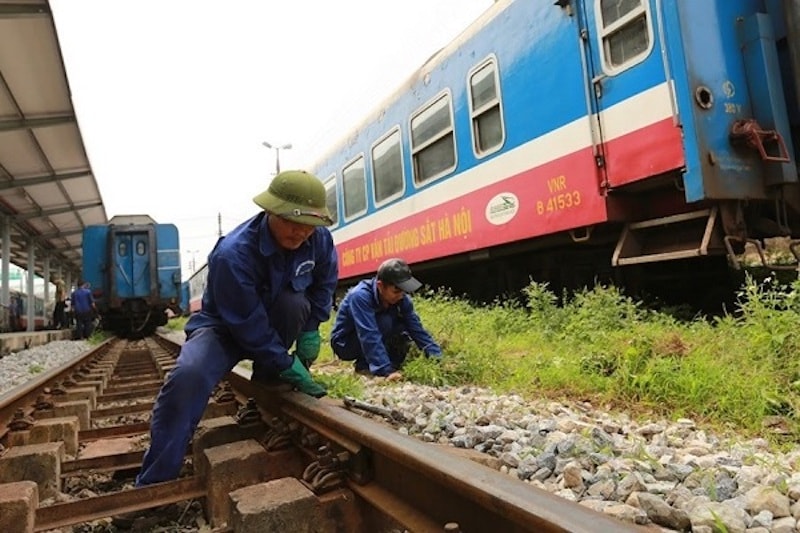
column 60, row 310
column 85, row 310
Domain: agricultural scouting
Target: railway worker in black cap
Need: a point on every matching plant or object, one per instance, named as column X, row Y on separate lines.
column 270, row 283
column 376, row 322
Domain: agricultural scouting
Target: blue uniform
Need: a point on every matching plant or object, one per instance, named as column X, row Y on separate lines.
column 259, row 297
column 368, row 333
column 82, row 300
column 83, row 306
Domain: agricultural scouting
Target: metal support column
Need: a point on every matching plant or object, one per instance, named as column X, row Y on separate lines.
column 5, row 258
column 30, row 301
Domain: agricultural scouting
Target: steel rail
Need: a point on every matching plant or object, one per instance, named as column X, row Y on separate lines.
column 25, row 396
column 439, row 485
column 417, row 485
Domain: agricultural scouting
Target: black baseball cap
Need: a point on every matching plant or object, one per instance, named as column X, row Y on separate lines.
column 395, row 272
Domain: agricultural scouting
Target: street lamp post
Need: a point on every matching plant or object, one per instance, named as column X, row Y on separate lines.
column 192, row 264
column 277, row 154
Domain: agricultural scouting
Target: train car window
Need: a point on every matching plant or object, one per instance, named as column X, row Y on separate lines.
column 433, row 145
column 140, row 250
column 625, row 32
column 387, row 167
column 354, row 188
column 330, row 198
column 122, row 249
column 488, row 131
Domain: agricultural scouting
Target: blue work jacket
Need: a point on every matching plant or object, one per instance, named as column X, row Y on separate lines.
column 82, row 300
column 247, row 270
column 358, row 314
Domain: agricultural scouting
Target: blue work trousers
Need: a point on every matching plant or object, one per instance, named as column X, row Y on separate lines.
column 395, row 340
column 205, row 358
column 84, row 325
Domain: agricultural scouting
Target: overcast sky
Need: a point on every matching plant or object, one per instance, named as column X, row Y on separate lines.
column 175, row 97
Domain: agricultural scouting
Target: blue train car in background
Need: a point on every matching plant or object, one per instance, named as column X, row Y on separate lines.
column 642, row 142
column 133, row 266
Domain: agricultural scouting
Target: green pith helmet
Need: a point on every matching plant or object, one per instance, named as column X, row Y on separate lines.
column 298, row 196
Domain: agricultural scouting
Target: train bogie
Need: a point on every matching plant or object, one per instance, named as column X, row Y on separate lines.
column 133, row 267
column 579, row 139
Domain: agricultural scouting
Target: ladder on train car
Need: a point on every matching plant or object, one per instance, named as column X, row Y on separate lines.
column 682, row 236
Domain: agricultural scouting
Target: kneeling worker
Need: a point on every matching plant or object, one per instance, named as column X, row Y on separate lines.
column 376, row 322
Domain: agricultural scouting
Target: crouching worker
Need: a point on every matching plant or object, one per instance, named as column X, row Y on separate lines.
column 270, row 283
column 376, row 323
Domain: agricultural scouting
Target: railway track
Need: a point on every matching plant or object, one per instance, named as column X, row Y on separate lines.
column 263, row 459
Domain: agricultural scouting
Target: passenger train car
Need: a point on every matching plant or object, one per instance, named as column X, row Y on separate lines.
column 635, row 141
column 192, row 290
column 14, row 316
column 133, row 267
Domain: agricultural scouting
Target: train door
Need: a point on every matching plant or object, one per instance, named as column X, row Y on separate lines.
column 636, row 131
column 133, row 265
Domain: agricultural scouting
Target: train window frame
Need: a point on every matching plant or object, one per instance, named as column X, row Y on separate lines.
column 625, row 22
column 352, row 216
column 331, row 184
column 394, row 131
column 432, row 141
column 480, row 112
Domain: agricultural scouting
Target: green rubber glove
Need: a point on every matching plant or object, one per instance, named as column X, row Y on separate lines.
column 298, row 375
column 307, row 347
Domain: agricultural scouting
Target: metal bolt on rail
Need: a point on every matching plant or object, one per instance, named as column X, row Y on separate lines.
column 249, row 414
column 328, row 471
column 224, row 394
column 21, row 422
column 42, row 403
column 309, row 439
column 279, row 437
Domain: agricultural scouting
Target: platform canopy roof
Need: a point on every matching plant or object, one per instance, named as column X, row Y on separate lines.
column 48, row 192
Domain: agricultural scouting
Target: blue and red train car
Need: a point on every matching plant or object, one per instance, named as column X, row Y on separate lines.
column 192, row 290
column 133, row 267
column 15, row 314
column 639, row 141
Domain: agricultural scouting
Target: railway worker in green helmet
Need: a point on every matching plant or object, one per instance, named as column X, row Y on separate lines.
column 270, row 284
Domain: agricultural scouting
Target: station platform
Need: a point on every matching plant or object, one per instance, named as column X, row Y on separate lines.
column 22, row 340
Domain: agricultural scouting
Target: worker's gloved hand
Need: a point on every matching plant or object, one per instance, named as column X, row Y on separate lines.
column 298, row 375
column 308, row 345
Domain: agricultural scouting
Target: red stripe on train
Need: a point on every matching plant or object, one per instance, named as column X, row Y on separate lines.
column 559, row 195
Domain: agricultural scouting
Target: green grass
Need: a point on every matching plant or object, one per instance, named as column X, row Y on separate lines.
column 599, row 345
column 733, row 373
